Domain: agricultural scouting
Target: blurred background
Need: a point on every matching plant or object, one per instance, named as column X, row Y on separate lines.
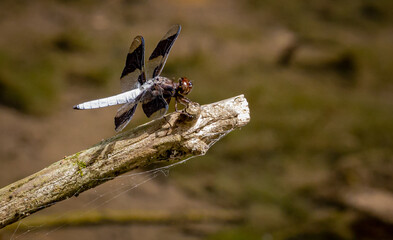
column 315, row 161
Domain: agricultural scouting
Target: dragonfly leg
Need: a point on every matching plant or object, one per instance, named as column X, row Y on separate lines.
column 170, row 125
column 184, row 101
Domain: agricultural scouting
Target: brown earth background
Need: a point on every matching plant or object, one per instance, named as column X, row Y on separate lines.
column 315, row 162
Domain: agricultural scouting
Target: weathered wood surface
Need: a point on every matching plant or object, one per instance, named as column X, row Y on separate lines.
column 160, row 142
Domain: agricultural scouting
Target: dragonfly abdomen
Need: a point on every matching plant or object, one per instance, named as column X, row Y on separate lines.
column 121, row 98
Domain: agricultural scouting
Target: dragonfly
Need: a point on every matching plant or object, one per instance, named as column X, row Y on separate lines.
column 140, row 84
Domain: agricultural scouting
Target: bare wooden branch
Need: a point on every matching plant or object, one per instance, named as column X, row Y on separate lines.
column 165, row 141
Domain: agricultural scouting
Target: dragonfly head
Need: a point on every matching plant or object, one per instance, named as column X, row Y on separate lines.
column 185, row 86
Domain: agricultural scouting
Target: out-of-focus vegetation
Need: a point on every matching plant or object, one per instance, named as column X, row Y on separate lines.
column 317, row 75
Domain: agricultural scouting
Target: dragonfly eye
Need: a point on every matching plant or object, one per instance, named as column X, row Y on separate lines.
column 185, row 86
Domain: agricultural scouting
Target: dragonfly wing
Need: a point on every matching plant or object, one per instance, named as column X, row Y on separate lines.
column 155, row 108
column 125, row 112
column 124, row 115
column 159, row 56
column 133, row 74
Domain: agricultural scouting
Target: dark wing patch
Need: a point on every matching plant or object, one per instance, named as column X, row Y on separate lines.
column 124, row 115
column 155, row 108
column 160, row 54
column 133, row 73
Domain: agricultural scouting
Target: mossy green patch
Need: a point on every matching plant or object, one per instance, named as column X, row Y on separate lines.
column 80, row 164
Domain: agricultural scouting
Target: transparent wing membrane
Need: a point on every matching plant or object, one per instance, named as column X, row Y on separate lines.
column 157, row 59
column 133, row 74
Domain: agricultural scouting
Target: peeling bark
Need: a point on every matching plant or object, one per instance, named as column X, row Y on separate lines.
column 165, row 141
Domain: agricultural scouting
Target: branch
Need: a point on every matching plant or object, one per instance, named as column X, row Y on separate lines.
column 165, row 141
